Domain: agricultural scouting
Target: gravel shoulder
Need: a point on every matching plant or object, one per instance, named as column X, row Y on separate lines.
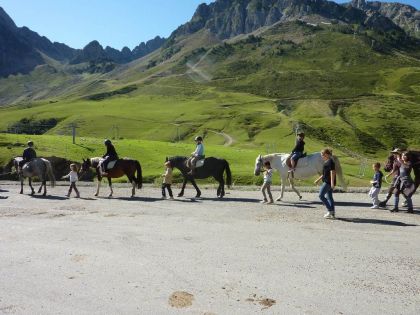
column 144, row 255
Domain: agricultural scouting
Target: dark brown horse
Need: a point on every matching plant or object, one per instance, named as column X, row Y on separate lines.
column 122, row 167
column 414, row 157
column 213, row 167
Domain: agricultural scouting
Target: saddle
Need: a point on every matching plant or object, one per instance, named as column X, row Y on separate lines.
column 289, row 158
column 199, row 163
column 110, row 165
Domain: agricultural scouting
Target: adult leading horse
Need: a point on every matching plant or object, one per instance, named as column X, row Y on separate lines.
column 414, row 157
column 38, row 167
column 122, row 167
column 307, row 167
column 213, row 167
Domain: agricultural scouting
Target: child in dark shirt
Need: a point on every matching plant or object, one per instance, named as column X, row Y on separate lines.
column 376, row 185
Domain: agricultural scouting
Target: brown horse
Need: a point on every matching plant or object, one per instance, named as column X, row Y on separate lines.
column 122, row 167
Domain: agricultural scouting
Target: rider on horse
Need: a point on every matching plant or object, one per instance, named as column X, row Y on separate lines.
column 298, row 150
column 110, row 155
column 197, row 155
column 28, row 154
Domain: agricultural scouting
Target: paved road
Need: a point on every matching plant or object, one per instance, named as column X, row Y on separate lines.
column 151, row 256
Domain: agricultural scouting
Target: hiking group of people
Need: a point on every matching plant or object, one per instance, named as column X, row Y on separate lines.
column 400, row 170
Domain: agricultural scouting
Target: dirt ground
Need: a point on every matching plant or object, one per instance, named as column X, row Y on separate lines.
column 144, row 255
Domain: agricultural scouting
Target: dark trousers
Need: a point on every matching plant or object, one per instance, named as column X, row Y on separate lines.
column 73, row 186
column 168, row 187
column 326, row 196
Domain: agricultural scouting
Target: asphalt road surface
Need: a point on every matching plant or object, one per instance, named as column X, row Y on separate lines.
column 144, row 255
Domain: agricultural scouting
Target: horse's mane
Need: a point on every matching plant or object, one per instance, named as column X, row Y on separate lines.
column 177, row 157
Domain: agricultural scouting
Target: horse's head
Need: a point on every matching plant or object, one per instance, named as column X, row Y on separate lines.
column 86, row 164
column 389, row 163
column 177, row 161
column 258, row 165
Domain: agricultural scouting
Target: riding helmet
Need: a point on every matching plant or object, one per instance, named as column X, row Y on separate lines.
column 107, row 142
column 199, row 138
column 30, row 143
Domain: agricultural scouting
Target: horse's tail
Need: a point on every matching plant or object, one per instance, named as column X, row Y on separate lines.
column 228, row 174
column 50, row 173
column 339, row 172
column 139, row 179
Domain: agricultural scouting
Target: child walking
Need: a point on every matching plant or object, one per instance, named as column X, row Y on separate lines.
column 73, row 179
column 376, row 185
column 167, row 181
column 268, row 174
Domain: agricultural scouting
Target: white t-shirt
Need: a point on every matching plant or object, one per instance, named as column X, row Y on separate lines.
column 73, row 176
column 268, row 174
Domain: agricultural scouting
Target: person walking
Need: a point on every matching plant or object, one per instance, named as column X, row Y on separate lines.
column 376, row 185
column 167, row 181
column 328, row 178
column 268, row 175
column 73, row 176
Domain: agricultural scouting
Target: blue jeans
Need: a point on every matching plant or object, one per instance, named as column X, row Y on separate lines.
column 326, row 196
column 296, row 155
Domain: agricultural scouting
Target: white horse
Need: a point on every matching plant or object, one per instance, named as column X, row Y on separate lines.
column 307, row 167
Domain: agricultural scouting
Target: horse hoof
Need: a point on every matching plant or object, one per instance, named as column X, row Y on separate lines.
column 180, row 195
column 278, row 199
column 300, row 197
column 21, row 192
column 96, row 195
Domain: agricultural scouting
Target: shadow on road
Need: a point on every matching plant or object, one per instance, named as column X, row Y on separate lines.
column 296, row 205
column 3, row 197
column 48, row 197
column 144, row 199
column 231, row 199
column 3, row 190
column 375, row 221
column 345, row 203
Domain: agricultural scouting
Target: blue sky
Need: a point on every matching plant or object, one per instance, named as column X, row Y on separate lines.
column 111, row 22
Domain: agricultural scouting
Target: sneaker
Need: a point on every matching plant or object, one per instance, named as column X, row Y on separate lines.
column 410, row 210
column 394, row 210
column 68, row 195
column 171, row 198
column 263, row 201
column 329, row 215
column 163, row 197
column 270, row 202
column 375, row 207
column 78, row 196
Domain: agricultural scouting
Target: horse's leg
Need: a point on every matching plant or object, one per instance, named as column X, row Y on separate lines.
column 45, row 187
column 40, row 187
column 222, row 187
column 133, row 183
column 292, row 184
column 110, row 187
column 21, row 184
column 30, row 185
column 184, row 183
column 282, row 188
column 196, row 188
column 99, row 182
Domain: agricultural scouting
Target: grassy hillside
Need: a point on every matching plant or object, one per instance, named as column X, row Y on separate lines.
column 355, row 91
